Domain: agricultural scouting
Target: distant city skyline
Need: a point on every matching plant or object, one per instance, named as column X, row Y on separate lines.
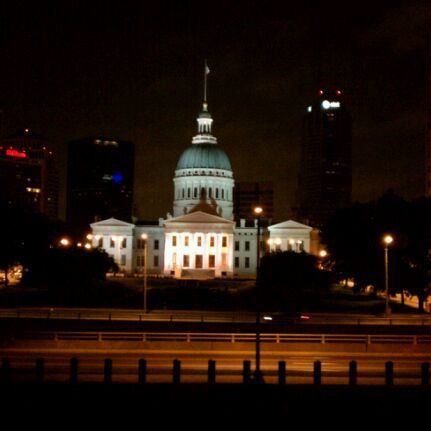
column 134, row 72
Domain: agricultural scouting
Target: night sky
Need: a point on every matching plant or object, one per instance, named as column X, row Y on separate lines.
column 134, row 70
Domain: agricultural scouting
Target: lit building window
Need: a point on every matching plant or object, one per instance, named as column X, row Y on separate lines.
column 123, row 259
column 224, row 241
column 198, row 261
column 186, row 241
column 224, row 259
column 199, row 241
column 174, row 241
column 186, row 261
column 124, row 243
column 212, row 241
column 211, row 261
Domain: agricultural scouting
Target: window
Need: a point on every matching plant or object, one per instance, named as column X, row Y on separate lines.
column 198, row 261
column 183, row 193
column 124, row 243
column 222, row 193
column 210, row 192
column 247, row 246
column 236, row 245
column 100, row 242
column 224, row 241
column 174, row 259
column 174, row 241
column 195, row 192
column 123, row 259
column 211, row 261
column 188, row 192
column 216, row 193
column 247, row 262
column 156, row 261
column 212, row 241
column 139, row 260
column 199, row 241
column 186, row 241
column 156, row 244
column 224, row 259
column 186, row 261
column 111, row 243
column 236, row 262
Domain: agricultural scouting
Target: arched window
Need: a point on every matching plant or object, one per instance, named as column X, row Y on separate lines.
column 216, row 193
column 210, row 192
column 188, row 192
column 183, row 193
column 222, row 193
column 195, row 192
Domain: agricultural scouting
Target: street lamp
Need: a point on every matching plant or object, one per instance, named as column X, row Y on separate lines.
column 387, row 240
column 257, row 373
column 144, row 237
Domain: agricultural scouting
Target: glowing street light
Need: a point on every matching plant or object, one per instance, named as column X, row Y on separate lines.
column 64, row 242
column 387, row 241
column 144, row 237
column 257, row 373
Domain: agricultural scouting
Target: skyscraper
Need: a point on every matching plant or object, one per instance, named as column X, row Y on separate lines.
column 325, row 178
column 248, row 195
column 99, row 181
column 28, row 174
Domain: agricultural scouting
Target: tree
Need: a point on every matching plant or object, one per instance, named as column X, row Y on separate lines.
column 285, row 279
column 354, row 240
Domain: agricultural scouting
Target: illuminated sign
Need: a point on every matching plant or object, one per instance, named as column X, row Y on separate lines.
column 15, row 153
column 326, row 104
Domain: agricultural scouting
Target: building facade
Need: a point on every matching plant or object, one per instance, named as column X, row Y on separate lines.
column 29, row 177
column 248, row 195
column 325, row 178
column 99, row 181
column 201, row 240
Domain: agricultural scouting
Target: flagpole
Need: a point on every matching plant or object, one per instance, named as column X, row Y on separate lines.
column 205, row 81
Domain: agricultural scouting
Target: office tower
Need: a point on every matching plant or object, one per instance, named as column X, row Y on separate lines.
column 99, row 181
column 28, row 173
column 325, row 177
column 248, row 195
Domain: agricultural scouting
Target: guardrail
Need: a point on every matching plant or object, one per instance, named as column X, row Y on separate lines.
column 40, row 374
column 189, row 337
column 207, row 317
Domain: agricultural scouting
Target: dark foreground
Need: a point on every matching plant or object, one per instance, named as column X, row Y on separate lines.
column 201, row 405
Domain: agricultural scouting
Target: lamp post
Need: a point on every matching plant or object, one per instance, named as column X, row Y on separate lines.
column 387, row 240
column 257, row 373
column 144, row 237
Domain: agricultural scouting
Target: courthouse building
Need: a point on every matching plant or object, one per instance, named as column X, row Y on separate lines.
column 200, row 239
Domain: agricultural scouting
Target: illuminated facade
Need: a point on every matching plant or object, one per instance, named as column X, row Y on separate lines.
column 325, row 179
column 201, row 240
column 28, row 174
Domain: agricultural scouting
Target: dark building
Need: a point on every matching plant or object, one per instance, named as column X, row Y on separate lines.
column 248, row 195
column 99, row 181
column 325, row 178
column 28, row 174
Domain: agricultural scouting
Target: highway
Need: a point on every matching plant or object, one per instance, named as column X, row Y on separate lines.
column 137, row 315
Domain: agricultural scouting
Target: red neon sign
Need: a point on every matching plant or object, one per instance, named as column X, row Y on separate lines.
column 15, row 153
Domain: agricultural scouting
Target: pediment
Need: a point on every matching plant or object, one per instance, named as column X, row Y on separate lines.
column 199, row 217
column 290, row 224
column 111, row 222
